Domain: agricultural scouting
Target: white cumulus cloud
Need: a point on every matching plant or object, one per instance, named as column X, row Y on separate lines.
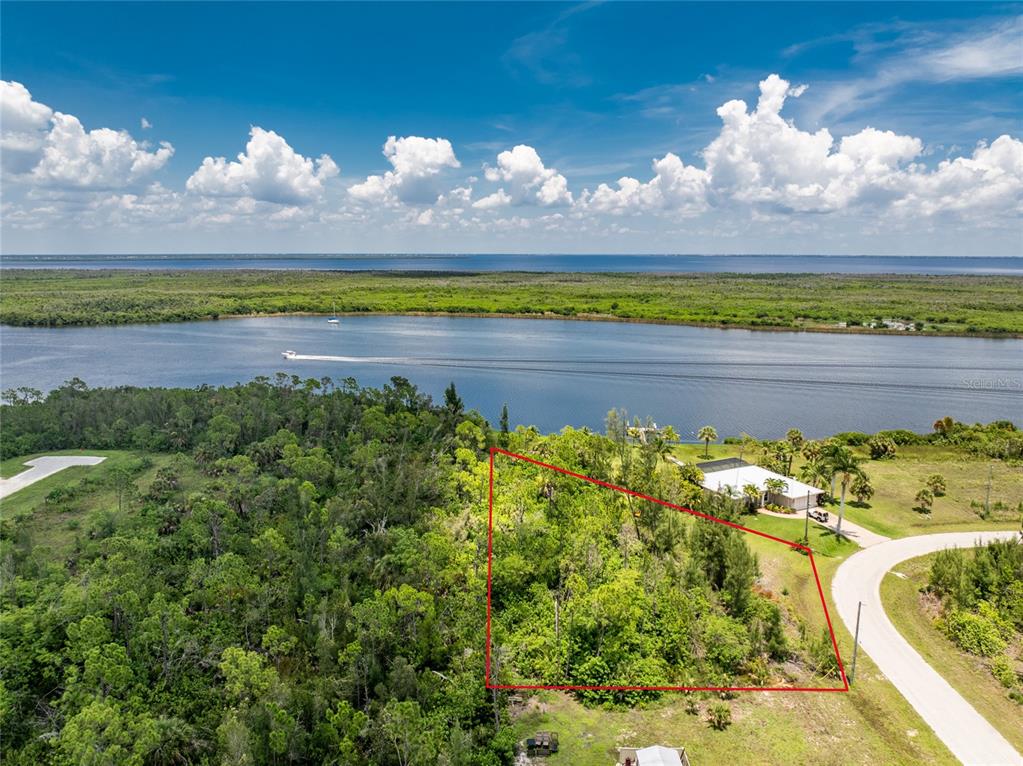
column 24, row 124
column 500, row 198
column 53, row 149
column 417, row 163
column 761, row 159
column 269, row 170
column 675, row 186
column 528, row 180
column 764, row 165
column 989, row 181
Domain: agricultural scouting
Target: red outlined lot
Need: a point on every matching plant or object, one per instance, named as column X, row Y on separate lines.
column 490, row 558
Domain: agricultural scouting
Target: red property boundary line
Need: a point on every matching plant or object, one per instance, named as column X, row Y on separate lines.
column 682, row 509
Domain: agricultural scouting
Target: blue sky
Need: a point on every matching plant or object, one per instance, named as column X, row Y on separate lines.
column 594, row 92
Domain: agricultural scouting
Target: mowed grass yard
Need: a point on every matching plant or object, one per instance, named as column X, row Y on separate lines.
column 968, row 675
column 870, row 724
column 892, row 511
column 55, row 526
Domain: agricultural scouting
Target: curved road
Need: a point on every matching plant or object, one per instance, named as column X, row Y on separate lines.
column 966, row 733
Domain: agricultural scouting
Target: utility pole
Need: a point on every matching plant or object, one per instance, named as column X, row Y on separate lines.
column 806, row 519
column 856, row 642
column 987, row 500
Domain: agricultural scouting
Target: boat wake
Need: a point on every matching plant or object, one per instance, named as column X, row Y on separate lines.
column 675, row 371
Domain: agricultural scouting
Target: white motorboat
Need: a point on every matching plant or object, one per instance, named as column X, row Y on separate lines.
column 334, row 319
column 289, row 354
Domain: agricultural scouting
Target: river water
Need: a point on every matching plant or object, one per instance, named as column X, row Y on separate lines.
column 554, row 373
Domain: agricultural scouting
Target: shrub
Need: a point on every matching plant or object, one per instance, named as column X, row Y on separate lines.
column 851, row 438
column 1001, row 668
column 760, row 672
column 902, row 437
column 936, row 484
column 993, row 614
column 925, row 499
column 822, row 654
column 1011, row 604
column 726, row 640
column 973, row 633
column 719, row 716
column 947, row 574
column 881, row 447
column 862, row 489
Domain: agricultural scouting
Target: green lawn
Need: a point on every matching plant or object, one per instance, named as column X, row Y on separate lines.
column 694, row 453
column 896, row 482
column 822, row 541
column 967, row 674
column 891, row 511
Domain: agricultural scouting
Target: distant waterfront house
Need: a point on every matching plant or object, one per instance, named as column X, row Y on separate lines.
column 730, row 475
column 655, row 755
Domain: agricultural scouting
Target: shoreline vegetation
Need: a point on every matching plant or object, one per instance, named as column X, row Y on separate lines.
column 962, row 305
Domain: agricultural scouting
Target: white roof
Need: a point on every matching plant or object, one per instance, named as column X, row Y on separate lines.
column 656, row 755
column 737, row 478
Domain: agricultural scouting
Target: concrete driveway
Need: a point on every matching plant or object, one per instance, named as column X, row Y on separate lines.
column 966, row 733
column 862, row 536
column 41, row 467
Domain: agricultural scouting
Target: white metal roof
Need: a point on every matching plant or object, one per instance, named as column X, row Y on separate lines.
column 656, row 755
column 737, row 478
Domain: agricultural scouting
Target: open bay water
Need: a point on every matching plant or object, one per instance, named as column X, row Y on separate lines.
column 553, row 373
column 749, row 264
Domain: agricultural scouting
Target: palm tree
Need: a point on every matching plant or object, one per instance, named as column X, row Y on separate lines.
column 784, row 454
column 663, row 439
column 815, row 473
column 752, row 494
column 811, row 450
column 845, row 466
column 831, row 452
column 776, row 486
column 795, row 437
column 707, row 434
column 862, row 489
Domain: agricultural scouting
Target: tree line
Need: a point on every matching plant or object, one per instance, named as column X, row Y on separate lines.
column 307, row 601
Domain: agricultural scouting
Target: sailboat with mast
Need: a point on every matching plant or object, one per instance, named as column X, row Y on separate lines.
column 334, row 318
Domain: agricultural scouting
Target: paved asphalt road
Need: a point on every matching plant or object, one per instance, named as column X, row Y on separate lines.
column 966, row 733
column 42, row 467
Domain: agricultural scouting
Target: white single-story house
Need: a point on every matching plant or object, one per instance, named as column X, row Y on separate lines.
column 729, row 476
column 655, row 755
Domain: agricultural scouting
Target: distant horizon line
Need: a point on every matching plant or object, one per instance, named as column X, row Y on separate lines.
column 315, row 254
